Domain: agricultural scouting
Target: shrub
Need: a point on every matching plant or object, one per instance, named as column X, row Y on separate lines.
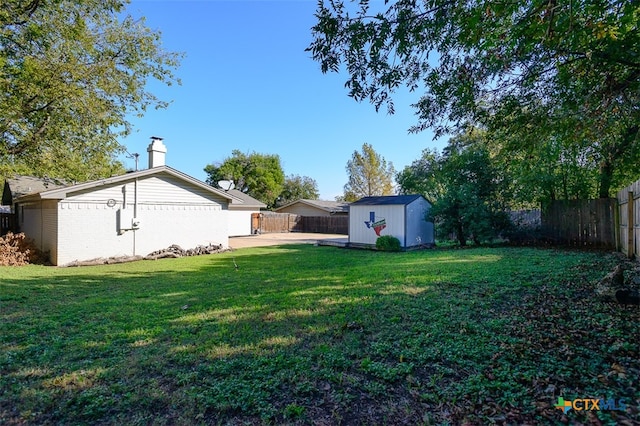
column 18, row 250
column 388, row 243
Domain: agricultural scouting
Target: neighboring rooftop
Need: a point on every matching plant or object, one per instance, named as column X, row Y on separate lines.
column 22, row 185
column 247, row 201
column 328, row 206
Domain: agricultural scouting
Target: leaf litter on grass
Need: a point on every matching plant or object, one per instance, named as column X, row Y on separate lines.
column 478, row 336
column 568, row 343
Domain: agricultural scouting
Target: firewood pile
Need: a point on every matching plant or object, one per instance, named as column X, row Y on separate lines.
column 175, row 251
column 18, row 250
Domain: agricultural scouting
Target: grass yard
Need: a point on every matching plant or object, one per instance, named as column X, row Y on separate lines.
column 318, row 335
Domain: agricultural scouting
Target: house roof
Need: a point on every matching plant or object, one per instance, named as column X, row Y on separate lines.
column 22, row 185
column 246, row 200
column 387, row 200
column 328, row 206
column 60, row 193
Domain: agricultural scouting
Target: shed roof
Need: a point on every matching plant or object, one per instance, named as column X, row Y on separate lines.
column 329, row 206
column 387, row 200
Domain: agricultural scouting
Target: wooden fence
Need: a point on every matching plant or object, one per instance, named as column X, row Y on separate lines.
column 629, row 220
column 325, row 224
column 270, row 222
column 7, row 223
column 612, row 223
column 586, row 223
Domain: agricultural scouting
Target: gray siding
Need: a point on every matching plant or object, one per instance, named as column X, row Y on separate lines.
column 419, row 230
column 163, row 189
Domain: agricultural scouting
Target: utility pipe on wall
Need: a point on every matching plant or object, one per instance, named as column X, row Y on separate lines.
column 135, row 211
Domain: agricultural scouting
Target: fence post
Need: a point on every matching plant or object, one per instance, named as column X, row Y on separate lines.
column 630, row 225
column 616, row 225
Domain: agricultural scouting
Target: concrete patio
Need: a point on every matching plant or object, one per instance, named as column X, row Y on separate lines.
column 276, row 239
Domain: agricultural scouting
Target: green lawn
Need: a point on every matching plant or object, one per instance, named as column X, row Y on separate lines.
column 319, row 335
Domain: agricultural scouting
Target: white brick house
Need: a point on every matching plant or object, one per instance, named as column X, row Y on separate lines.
column 131, row 214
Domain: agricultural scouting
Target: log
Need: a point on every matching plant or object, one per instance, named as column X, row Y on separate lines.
column 104, row 261
column 163, row 255
column 122, row 259
column 614, row 287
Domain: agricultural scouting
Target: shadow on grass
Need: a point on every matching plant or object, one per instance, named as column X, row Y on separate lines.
column 305, row 334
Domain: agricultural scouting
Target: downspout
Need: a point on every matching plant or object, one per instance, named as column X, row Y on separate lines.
column 16, row 218
column 41, row 226
column 406, row 226
column 135, row 211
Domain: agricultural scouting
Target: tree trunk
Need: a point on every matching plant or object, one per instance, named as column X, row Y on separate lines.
column 606, row 175
column 462, row 239
column 613, row 157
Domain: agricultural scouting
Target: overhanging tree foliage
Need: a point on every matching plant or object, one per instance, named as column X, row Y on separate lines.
column 527, row 71
column 71, row 71
column 258, row 175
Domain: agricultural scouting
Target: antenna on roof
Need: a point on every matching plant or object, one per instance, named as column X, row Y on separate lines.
column 227, row 185
column 135, row 156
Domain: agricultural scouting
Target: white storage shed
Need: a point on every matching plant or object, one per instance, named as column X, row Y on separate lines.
column 401, row 216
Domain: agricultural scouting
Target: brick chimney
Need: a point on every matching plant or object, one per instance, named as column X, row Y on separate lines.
column 157, row 152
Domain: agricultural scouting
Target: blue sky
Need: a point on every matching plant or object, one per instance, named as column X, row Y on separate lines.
column 248, row 84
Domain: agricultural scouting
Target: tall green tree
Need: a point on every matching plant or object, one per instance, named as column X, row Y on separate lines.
column 298, row 187
column 472, row 204
column 369, row 175
column 467, row 187
column 258, row 175
column 532, row 71
column 71, row 72
column 421, row 177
